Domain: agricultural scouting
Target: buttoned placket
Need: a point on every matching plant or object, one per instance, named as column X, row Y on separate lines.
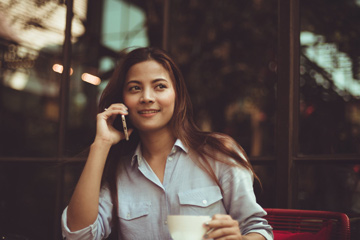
column 169, row 168
column 146, row 170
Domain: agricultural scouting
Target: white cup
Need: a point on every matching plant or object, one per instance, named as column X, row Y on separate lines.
column 185, row 227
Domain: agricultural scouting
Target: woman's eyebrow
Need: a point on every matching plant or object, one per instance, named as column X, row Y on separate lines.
column 140, row 82
column 133, row 81
column 159, row 80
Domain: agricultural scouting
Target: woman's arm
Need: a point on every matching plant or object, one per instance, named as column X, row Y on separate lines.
column 83, row 207
column 245, row 216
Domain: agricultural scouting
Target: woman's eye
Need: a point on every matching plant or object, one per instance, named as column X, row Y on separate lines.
column 161, row 86
column 134, row 88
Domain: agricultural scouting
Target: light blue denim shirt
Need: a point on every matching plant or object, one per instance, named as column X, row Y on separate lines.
column 145, row 202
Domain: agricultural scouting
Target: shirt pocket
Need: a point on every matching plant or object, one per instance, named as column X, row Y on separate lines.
column 132, row 215
column 201, row 201
column 132, row 210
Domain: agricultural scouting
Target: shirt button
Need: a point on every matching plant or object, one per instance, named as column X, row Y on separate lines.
column 128, row 215
column 165, row 222
column 204, row 201
column 173, row 151
column 170, row 158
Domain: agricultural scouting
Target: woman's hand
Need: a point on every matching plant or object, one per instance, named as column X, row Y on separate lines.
column 104, row 124
column 223, row 227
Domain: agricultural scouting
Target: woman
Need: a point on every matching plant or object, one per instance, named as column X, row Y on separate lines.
column 167, row 167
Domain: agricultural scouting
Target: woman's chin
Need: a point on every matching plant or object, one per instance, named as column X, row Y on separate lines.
column 153, row 129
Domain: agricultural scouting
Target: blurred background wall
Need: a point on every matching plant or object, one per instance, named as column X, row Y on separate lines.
column 282, row 77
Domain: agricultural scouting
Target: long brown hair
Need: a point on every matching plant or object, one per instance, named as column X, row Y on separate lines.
column 203, row 144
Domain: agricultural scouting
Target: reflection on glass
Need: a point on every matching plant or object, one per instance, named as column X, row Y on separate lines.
column 38, row 24
column 31, row 38
column 329, row 187
column 59, row 68
column 28, row 102
column 265, row 192
column 227, row 52
column 330, row 77
column 72, row 171
column 123, row 25
column 27, row 200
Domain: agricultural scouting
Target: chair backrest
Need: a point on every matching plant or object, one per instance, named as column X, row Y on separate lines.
column 310, row 221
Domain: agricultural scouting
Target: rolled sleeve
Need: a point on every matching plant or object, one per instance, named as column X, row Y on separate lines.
column 100, row 229
column 257, row 224
column 85, row 233
column 240, row 202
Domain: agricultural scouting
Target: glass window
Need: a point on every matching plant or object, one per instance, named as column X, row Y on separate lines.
column 329, row 187
column 124, row 25
column 227, row 52
column 330, row 77
column 28, row 196
column 72, row 172
column 31, row 63
column 265, row 190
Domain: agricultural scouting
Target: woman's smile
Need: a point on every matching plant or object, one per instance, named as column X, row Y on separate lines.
column 148, row 112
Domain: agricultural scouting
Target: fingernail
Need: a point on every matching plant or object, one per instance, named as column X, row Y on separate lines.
column 207, row 224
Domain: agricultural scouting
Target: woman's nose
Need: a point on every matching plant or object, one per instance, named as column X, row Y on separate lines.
column 147, row 97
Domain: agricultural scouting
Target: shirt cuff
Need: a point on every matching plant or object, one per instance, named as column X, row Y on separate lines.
column 85, row 233
column 267, row 234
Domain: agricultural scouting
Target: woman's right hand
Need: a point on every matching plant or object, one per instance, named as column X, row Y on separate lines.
column 104, row 124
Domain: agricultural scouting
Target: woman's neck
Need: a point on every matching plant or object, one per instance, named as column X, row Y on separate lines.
column 156, row 146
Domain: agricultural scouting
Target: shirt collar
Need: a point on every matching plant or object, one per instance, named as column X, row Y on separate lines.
column 137, row 156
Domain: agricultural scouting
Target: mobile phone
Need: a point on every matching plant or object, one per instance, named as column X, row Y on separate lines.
column 125, row 127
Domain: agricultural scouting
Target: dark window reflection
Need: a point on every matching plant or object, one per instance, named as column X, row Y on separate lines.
column 27, row 197
column 226, row 50
column 31, row 38
column 330, row 77
column 329, row 187
column 28, row 102
column 72, row 171
column 265, row 190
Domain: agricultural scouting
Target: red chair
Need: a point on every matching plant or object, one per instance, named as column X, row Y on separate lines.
column 291, row 224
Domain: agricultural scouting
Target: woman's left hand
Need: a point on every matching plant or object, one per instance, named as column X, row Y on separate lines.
column 224, row 227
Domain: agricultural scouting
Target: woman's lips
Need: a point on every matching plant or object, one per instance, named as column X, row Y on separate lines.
column 148, row 112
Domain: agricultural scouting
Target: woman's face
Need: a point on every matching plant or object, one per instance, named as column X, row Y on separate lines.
column 149, row 95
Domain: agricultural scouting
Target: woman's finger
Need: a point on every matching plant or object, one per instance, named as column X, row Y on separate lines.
column 221, row 220
column 221, row 216
column 117, row 106
column 222, row 227
column 219, row 233
column 110, row 114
